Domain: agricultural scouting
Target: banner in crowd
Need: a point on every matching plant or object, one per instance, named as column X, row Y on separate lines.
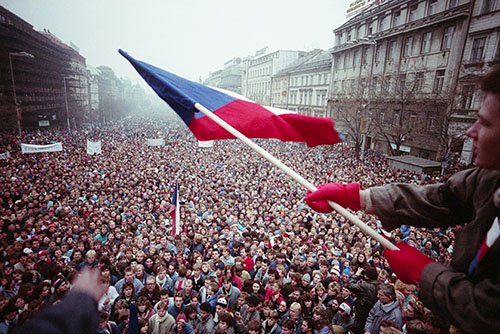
column 93, row 147
column 29, row 148
column 155, row 142
column 4, row 156
column 206, row 143
column 251, row 119
column 175, row 212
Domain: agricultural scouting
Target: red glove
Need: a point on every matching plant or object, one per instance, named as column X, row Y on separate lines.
column 346, row 195
column 407, row 262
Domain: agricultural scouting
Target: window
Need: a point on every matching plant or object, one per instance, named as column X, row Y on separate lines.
column 447, row 37
column 396, row 116
column 452, row 4
column 402, row 80
column 412, row 16
column 354, row 58
column 432, row 9
column 391, row 51
column 374, row 87
column 439, row 81
column 467, row 96
column 426, row 42
column 432, row 122
column 371, row 28
column 386, row 83
column 377, row 53
column 364, row 55
column 488, row 6
column 419, row 81
column 477, row 49
column 413, row 120
column 381, row 117
column 408, row 47
column 381, row 25
column 396, row 18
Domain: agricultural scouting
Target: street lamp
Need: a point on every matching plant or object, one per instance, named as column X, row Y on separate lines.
column 66, row 100
column 17, row 103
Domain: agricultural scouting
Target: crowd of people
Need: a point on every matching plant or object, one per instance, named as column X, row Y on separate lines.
column 251, row 256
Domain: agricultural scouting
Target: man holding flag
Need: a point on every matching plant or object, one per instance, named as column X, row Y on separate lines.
column 468, row 292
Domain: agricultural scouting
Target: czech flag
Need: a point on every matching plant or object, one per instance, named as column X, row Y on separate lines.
column 175, row 212
column 250, row 118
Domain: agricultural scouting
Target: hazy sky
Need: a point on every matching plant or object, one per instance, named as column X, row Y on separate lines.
column 187, row 37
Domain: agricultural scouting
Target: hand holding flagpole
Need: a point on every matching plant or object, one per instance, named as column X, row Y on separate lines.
column 308, row 185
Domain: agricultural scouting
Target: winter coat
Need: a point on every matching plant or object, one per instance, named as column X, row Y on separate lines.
column 380, row 312
column 465, row 199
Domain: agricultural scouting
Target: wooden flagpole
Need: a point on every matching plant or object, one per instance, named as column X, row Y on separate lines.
column 308, row 185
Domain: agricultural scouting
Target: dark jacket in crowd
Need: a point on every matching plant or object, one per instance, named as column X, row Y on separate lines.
column 466, row 199
column 366, row 297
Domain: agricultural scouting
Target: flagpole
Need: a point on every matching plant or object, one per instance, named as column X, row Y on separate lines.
column 308, row 185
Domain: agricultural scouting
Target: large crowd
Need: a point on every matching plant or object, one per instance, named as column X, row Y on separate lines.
column 251, row 256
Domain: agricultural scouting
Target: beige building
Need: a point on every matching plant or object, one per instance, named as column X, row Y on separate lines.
column 304, row 85
column 259, row 71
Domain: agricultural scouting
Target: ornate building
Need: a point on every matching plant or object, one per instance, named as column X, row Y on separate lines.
column 394, row 75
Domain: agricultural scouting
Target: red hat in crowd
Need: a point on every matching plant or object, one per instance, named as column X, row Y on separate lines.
column 43, row 252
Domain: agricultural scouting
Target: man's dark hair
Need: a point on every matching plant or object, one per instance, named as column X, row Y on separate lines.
column 490, row 83
column 206, row 307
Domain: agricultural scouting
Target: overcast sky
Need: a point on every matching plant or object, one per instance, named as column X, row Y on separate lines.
column 188, row 37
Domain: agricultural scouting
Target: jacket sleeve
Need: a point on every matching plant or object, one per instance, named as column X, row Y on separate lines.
column 472, row 306
column 369, row 320
column 436, row 205
column 76, row 314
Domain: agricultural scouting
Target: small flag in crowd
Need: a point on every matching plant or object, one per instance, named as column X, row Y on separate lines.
column 133, row 322
column 248, row 117
column 175, row 212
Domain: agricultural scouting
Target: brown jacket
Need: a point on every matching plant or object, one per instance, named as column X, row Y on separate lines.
column 472, row 303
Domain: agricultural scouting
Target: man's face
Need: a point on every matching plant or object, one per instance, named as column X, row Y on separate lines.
column 485, row 133
column 384, row 299
column 129, row 276
column 162, row 312
column 204, row 314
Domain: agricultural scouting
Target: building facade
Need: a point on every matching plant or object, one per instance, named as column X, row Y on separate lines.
column 229, row 77
column 258, row 75
column 304, row 86
column 33, row 66
column 394, row 75
column 481, row 52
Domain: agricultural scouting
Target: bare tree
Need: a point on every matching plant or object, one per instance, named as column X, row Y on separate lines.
column 351, row 111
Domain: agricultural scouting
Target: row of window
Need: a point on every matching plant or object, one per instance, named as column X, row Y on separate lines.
column 260, row 72
column 351, row 58
column 312, row 79
column 415, row 84
column 400, row 16
column 307, row 98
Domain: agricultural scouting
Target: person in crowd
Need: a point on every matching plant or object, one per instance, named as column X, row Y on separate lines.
column 241, row 205
column 129, row 278
column 364, row 286
column 206, row 324
column 386, row 308
column 342, row 321
column 162, row 322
